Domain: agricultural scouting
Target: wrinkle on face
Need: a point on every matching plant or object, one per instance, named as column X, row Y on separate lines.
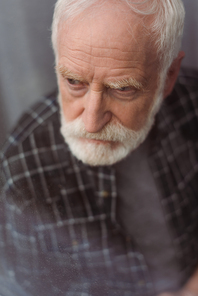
column 67, row 74
column 102, row 52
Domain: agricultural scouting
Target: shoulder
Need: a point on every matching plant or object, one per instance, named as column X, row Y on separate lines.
column 35, row 119
column 186, row 87
column 179, row 111
column 34, row 152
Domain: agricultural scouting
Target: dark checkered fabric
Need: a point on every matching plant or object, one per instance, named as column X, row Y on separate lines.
column 59, row 233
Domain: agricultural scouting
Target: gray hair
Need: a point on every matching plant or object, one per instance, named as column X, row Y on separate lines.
column 166, row 28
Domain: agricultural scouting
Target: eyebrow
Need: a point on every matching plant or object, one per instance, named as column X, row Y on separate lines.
column 125, row 83
column 66, row 73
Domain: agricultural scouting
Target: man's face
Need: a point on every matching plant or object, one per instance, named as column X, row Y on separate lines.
column 108, row 77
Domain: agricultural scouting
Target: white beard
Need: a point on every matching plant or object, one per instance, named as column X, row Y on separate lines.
column 123, row 140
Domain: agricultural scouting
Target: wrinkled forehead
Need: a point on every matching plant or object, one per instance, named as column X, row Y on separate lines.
column 107, row 25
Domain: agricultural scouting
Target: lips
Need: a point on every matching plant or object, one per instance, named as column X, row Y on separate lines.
column 113, row 144
column 95, row 141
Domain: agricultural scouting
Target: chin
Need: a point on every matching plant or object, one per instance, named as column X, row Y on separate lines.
column 95, row 152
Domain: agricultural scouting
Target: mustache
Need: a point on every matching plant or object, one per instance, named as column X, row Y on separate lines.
column 112, row 131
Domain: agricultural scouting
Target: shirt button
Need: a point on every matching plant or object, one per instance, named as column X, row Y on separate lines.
column 128, row 238
column 141, row 283
column 74, row 243
column 105, row 194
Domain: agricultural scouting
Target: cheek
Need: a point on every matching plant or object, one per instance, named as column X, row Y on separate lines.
column 134, row 114
column 72, row 107
column 131, row 114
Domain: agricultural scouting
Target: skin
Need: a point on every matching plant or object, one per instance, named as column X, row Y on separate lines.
column 108, row 47
column 108, row 70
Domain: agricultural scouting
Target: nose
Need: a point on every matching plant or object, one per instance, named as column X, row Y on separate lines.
column 95, row 115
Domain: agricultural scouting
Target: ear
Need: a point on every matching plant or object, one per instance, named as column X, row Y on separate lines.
column 173, row 73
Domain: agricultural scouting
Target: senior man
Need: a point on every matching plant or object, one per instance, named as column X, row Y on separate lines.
column 107, row 206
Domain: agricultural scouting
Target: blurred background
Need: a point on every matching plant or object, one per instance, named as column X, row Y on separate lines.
column 26, row 58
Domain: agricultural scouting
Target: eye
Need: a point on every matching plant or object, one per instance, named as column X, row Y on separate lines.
column 124, row 93
column 76, row 87
column 123, row 89
column 74, row 82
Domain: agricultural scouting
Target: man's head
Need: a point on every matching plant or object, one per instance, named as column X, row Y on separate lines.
column 116, row 60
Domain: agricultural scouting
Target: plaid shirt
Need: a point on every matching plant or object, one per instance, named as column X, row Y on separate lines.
column 59, row 234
